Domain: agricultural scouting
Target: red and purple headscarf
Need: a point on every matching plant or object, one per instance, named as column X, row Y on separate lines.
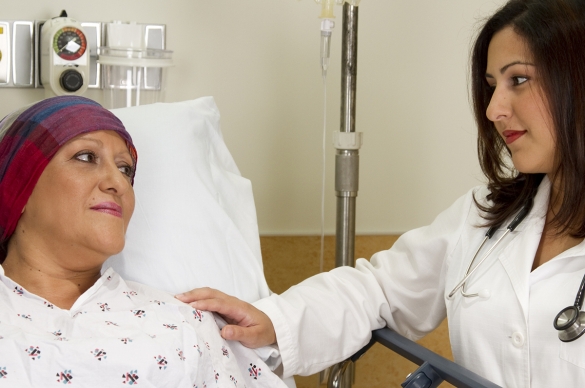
column 30, row 137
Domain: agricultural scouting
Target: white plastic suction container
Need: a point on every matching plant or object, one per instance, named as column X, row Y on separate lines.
column 132, row 75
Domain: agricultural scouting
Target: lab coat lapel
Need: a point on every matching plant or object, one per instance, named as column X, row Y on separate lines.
column 518, row 257
column 517, row 261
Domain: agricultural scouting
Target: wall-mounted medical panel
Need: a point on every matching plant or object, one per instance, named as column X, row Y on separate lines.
column 17, row 54
column 22, row 54
column 4, row 53
column 20, row 47
column 94, row 35
column 155, row 39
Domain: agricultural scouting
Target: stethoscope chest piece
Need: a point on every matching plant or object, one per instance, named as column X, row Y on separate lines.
column 570, row 323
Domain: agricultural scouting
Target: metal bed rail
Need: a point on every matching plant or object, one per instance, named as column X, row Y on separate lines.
column 433, row 368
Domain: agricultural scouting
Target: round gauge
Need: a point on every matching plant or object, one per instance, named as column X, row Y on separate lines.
column 69, row 43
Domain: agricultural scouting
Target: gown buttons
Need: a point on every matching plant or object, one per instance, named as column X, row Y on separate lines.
column 518, row 339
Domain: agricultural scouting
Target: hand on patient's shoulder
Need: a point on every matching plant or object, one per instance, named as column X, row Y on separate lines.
column 246, row 323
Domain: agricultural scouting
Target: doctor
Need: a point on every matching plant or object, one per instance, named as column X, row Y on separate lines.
column 501, row 298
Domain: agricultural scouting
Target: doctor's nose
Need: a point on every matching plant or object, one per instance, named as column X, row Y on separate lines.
column 499, row 107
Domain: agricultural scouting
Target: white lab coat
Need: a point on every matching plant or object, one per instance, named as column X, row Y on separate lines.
column 508, row 338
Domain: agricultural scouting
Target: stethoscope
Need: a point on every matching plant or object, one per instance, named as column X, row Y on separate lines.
column 570, row 322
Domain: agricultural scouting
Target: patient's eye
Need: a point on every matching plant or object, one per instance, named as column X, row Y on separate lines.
column 127, row 170
column 86, row 156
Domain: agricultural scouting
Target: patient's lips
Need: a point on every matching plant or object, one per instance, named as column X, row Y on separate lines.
column 108, row 208
column 511, row 135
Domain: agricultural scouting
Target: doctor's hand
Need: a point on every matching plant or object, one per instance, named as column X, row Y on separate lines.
column 246, row 323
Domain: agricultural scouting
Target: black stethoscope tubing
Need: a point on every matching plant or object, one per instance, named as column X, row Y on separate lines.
column 510, row 228
column 570, row 321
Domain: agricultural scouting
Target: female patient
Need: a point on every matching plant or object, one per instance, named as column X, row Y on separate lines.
column 66, row 172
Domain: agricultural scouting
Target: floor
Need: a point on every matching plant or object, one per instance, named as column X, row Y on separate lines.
column 290, row 259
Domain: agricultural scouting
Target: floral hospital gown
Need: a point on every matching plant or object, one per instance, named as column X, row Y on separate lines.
column 118, row 334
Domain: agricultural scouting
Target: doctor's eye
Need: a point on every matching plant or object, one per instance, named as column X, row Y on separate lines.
column 519, row 80
column 86, row 156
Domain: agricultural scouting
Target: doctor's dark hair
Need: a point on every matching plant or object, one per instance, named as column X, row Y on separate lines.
column 554, row 32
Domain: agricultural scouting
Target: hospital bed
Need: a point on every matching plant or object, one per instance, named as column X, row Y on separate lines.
column 195, row 224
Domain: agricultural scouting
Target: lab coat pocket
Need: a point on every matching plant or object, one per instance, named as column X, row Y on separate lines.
column 572, row 352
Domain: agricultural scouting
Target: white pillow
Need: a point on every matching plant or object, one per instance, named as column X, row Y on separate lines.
column 194, row 224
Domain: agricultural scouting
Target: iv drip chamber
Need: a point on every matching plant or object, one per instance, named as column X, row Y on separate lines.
column 327, row 9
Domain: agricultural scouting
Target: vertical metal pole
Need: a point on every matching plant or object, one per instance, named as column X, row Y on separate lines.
column 347, row 164
column 347, row 161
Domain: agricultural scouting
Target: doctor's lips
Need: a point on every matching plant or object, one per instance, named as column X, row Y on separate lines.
column 108, row 208
column 510, row 135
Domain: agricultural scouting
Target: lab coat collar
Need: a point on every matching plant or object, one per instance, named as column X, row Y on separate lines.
column 540, row 205
column 517, row 257
column 536, row 220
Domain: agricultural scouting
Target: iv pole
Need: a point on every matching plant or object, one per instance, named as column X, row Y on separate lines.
column 347, row 142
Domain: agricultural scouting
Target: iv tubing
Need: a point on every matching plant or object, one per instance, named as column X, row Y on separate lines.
column 327, row 25
column 322, row 248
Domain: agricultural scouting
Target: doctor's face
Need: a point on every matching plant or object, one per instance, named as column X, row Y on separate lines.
column 518, row 107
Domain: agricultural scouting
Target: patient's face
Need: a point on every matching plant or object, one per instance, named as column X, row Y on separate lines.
column 84, row 198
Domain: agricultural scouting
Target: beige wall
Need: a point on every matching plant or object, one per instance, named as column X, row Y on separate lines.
column 259, row 59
